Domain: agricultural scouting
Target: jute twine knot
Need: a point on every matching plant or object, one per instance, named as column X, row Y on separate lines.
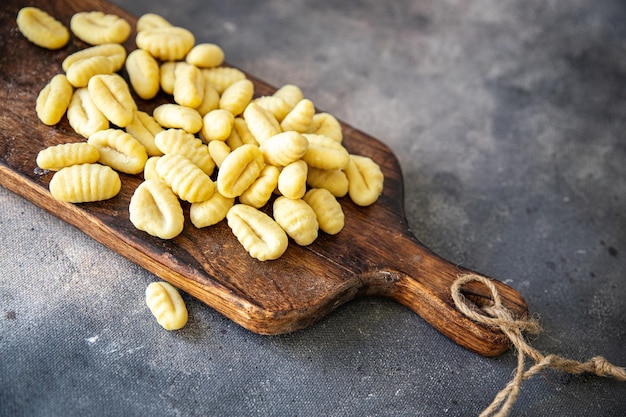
column 496, row 314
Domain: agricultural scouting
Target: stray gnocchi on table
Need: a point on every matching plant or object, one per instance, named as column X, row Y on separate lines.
column 273, row 167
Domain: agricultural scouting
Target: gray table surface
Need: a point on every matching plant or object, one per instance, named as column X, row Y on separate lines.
column 509, row 121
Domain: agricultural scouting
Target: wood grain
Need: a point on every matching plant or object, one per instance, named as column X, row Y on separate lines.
column 375, row 254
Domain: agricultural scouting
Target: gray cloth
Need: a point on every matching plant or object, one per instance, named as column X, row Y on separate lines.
column 508, row 119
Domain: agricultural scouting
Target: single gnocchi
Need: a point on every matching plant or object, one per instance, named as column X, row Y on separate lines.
column 297, row 219
column 365, row 180
column 97, row 28
column 42, row 29
column 210, row 212
column 177, row 141
column 166, row 43
column 54, row 99
column 284, row 148
column 239, row 170
column 81, row 71
column 166, row 305
column 237, row 96
column 205, row 55
column 155, row 209
column 83, row 114
column 57, row 157
column 222, row 77
column 188, row 85
column 326, row 124
column 334, row 180
column 325, row 153
column 85, row 183
column 171, row 115
column 187, row 181
column 151, row 21
column 115, row 52
column 292, row 179
column 119, row 150
column 217, row 125
column 290, row 93
column 111, row 95
column 300, row 118
column 260, row 122
column 257, row 232
column 143, row 73
column 328, row 211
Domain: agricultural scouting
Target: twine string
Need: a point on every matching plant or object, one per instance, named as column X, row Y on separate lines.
column 496, row 314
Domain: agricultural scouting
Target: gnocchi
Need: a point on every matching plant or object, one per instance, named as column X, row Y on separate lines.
column 115, row 52
column 177, row 141
column 292, row 179
column 325, row 153
column 110, row 93
column 365, row 180
column 259, row 193
column 297, row 219
column 300, row 118
column 119, row 150
column 211, row 211
column 144, row 128
column 239, row 170
column 237, row 96
column 205, row 55
column 217, row 125
column 166, row 305
column 97, row 28
column 166, row 43
column 284, row 148
column 54, row 99
column 85, row 183
column 64, row 155
column 187, row 181
column 81, row 71
column 188, row 85
column 328, row 211
column 143, row 73
column 171, row 115
column 42, row 29
column 155, row 209
column 83, row 115
column 257, row 232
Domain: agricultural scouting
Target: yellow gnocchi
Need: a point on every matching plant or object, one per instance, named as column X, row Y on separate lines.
column 111, row 94
column 149, row 169
column 217, row 125
column 275, row 105
column 297, row 219
column 210, row 212
column 205, row 55
column 119, row 150
column 219, row 151
column 54, row 99
column 83, row 114
column 64, row 155
column 365, row 180
column 177, row 141
column 290, row 93
column 151, row 21
column 187, row 181
column 325, row 153
column 334, row 180
column 328, row 211
column 166, row 43
column 42, row 29
column 166, row 305
column 237, row 96
column 257, row 232
column 292, row 179
column 97, row 28
column 261, row 123
column 155, row 209
column 261, row 190
column 171, row 115
column 188, row 85
column 81, row 71
column 239, row 170
column 115, row 52
column 168, row 76
column 326, row 124
column 210, row 100
column 300, row 118
column 143, row 73
column 85, row 183
column 284, row 148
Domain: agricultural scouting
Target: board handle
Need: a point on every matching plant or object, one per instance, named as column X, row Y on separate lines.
column 422, row 280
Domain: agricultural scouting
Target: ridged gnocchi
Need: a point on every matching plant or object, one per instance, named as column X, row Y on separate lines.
column 297, row 219
column 143, row 73
column 170, row 115
column 97, row 28
column 217, row 125
column 188, row 85
column 365, row 180
column 187, row 181
column 85, row 183
column 144, row 128
column 177, row 141
column 328, row 211
column 64, row 155
column 239, row 170
column 292, row 179
column 111, row 94
column 210, row 212
column 284, row 148
column 115, row 52
column 166, row 305
column 259, row 193
column 83, row 114
column 166, row 43
column 257, row 232
column 237, row 96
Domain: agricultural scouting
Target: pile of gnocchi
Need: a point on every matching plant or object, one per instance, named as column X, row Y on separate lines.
column 216, row 145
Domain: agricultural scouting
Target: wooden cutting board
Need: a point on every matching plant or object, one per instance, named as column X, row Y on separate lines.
column 375, row 254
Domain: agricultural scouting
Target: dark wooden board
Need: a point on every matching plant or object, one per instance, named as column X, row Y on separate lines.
column 375, row 254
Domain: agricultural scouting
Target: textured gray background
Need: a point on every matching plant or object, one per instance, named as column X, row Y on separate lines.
column 508, row 119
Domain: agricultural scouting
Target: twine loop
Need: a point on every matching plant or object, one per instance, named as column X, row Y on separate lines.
column 497, row 315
